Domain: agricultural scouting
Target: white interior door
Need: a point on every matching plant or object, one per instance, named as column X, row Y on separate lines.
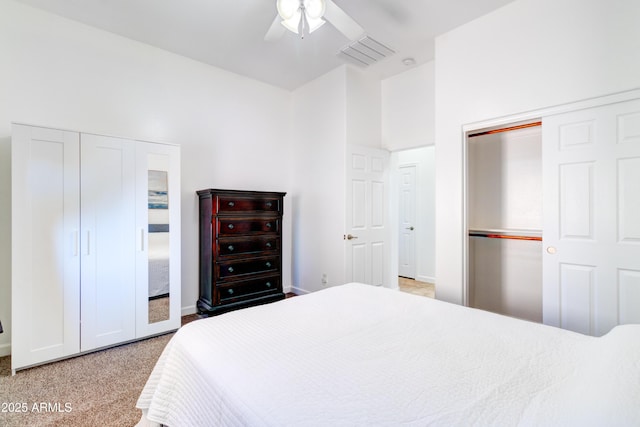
column 591, row 264
column 367, row 229
column 407, row 221
column 108, row 241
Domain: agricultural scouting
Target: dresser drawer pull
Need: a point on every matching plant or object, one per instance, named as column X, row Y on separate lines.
column 230, row 226
column 268, row 284
column 231, row 248
column 268, row 244
column 269, row 204
column 230, row 269
column 268, row 225
column 230, row 291
column 231, row 204
column 268, row 264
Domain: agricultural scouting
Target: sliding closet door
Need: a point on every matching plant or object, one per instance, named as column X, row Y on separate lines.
column 44, row 245
column 592, row 218
column 108, row 241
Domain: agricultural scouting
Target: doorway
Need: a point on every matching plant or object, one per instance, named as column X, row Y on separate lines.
column 413, row 203
column 407, row 220
column 504, row 216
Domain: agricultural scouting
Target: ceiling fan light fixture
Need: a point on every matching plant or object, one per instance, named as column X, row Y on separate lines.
column 314, row 8
column 315, row 23
column 288, row 8
column 293, row 21
column 300, row 15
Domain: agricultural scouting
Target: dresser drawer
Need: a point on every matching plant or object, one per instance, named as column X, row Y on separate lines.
column 234, row 226
column 248, row 289
column 235, row 268
column 238, row 246
column 235, row 204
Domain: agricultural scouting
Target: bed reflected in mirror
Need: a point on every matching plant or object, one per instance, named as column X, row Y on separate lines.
column 158, row 246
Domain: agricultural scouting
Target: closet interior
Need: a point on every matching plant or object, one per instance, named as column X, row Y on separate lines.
column 504, row 217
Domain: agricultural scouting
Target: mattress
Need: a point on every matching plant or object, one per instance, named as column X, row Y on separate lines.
column 361, row 355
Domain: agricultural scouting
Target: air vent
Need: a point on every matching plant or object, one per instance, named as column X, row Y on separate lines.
column 365, row 52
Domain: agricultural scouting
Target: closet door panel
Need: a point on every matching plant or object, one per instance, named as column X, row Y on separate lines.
column 108, row 241
column 158, row 276
column 591, row 216
column 629, row 200
column 629, row 295
column 45, row 258
column 576, row 297
column 577, row 200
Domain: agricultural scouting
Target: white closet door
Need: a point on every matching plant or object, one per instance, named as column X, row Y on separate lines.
column 45, row 252
column 158, row 290
column 108, row 241
column 591, row 265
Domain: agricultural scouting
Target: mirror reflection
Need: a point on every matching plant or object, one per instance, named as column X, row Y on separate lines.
column 158, row 246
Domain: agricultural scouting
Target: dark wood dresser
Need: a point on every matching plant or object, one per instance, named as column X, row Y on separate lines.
column 240, row 249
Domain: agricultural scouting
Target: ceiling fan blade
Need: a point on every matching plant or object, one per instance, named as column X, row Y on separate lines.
column 343, row 22
column 276, row 30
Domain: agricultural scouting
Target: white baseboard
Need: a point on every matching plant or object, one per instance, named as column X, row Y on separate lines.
column 299, row 291
column 190, row 309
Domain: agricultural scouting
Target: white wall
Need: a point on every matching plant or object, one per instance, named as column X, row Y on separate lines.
column 363, row 106
column 319, row 138
column 234, row 132
column 408, row 108
column 339, row 108
column 528, row 55
column 5, row 242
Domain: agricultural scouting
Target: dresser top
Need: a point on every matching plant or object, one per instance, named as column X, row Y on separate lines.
column 209, row 192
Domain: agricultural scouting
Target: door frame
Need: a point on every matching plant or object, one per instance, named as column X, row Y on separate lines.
column 498, row 122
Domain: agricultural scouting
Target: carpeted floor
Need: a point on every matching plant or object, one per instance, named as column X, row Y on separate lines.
column 97, row 389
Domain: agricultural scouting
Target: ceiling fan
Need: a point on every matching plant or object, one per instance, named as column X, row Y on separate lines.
column 305, row 16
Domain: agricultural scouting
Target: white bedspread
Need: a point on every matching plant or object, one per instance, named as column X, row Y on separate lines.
column 360, row 355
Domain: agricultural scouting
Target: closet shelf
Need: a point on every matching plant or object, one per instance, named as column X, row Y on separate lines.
column 535, row 235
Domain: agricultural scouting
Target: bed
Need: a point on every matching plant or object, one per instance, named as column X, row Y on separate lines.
column 362, row 355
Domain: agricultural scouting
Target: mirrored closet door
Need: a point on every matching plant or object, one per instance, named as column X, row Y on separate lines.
column 158, row 246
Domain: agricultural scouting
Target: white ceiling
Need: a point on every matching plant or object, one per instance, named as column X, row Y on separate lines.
column 229, row 34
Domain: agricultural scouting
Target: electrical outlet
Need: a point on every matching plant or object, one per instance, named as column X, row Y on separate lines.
column 324, row 279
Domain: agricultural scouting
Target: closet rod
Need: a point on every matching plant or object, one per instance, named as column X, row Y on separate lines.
column 503, row 236
column 507, row 129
